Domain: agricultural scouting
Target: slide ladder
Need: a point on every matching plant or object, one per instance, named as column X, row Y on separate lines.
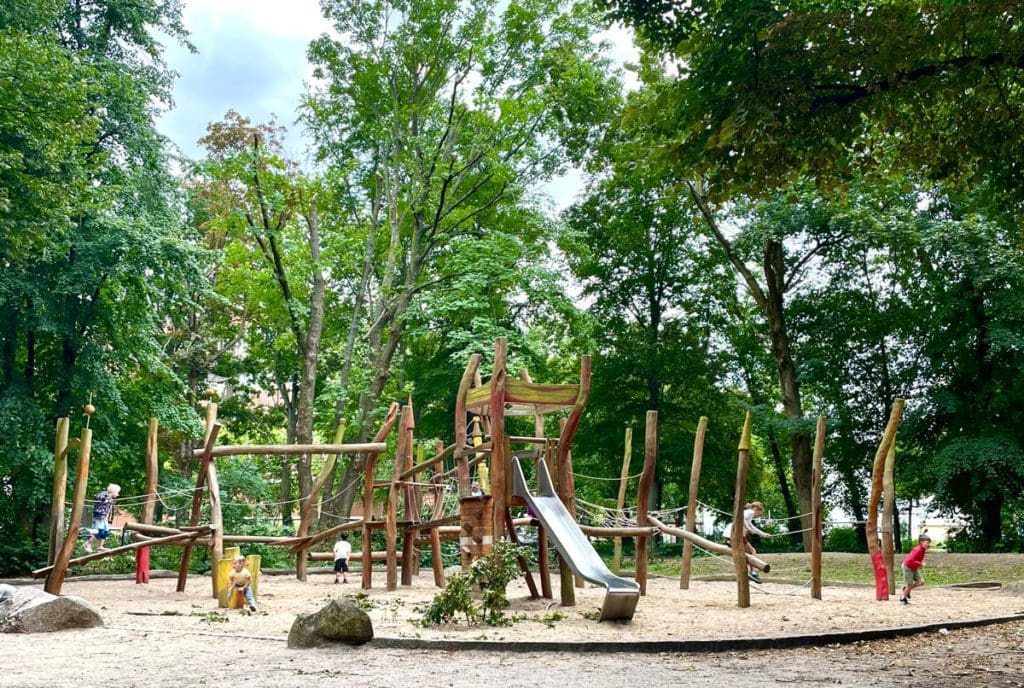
column 622, row 596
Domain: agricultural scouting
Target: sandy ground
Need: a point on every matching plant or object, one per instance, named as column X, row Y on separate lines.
column 201, row 645
column 707, row 610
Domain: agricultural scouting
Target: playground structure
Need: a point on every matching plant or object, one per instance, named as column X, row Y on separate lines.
column 489, row 481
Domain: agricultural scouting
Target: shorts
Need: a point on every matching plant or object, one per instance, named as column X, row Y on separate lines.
column 910, row 576
column 101, row 527
column 341, row 565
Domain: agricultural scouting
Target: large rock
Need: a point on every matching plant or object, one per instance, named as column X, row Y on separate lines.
column 341, row 621
column 30, row 610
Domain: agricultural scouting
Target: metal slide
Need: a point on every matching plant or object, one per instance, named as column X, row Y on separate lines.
column 622, row 596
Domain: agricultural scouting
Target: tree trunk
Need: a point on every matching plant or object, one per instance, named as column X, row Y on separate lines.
column 991, row 521
column 800, row 441
column 310, row 351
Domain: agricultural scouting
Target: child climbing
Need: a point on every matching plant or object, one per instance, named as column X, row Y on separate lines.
column 750, row 512
column 342, row 550
column 241, row 581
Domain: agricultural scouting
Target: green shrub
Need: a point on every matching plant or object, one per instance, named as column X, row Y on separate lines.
column 491, row 574
column 843, row 540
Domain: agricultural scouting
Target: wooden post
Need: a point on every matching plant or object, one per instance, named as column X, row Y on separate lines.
column 461, row 452
column 410, row 510
column 877, row 476
column 691, row 502
column 888, row 504
column 566, row 579
column 60, row 563
column 152, row 472
column 499, row 454
column 620, row 504
column 542, row 536
column 643, row 499
column 736, row 536
column 306, row 515
column 197, row 500
column 391, row 511
column 216, row 524
column 60, row 486
column 213, row 494
column 816, row 535
column 369, row 473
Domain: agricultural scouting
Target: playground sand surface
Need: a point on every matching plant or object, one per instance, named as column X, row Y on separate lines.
column 706, row 611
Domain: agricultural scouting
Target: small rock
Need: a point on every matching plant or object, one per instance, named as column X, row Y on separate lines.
column 341, row 621
column 29, row 610
column 943, row 631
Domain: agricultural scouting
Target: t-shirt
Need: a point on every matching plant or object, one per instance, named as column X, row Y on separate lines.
column 103, row 505
column 915, row 559
column 240, row 579
column 342, row 548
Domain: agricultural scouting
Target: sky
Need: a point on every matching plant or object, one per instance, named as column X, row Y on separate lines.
column 251, row 57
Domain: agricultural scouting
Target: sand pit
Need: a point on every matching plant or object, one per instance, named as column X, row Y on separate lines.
column 707, row 611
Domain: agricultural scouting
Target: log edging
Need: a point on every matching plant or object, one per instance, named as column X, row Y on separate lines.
column 709, row 645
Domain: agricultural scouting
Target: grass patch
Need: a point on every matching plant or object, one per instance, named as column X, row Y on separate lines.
column 941, row 568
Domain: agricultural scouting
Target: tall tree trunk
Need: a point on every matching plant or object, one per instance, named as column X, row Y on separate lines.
column 287, row 507
column 800, row 440
column 310, row 350
column 992, row 521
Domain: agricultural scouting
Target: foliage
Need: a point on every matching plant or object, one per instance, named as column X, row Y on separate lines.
column 491, row 574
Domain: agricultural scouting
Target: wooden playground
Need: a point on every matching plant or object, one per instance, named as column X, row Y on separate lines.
column 464, row 494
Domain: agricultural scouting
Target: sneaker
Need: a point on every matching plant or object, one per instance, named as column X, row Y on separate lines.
column 904, row 600
column 335, row 581
column 252, row 607
column 104, row 549
column 87, row 547
column 754, row 577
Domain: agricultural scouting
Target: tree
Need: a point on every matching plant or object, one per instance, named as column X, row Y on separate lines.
column 250, row 188
column 825, row 89
column 97, row 251
column 442, row 112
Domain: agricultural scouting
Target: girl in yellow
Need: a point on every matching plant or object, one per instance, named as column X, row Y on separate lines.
column 241, row 581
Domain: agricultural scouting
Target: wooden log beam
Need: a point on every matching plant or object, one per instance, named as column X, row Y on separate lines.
column 153, row 542
column 380, row 555
column 446, row 453
column 294, row 449
column 709, row 545
column 620, row 532
column 739, row 501
column 313, row 540
column 816, row 534
column 197, row 496
column 60, row 562
column 691, row 501
column 308, row 502
column 148, row 529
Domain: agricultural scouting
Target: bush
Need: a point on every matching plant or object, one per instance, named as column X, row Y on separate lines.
column 491, row 574
column 843, row 540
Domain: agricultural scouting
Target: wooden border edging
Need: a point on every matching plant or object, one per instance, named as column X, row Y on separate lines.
column 689, row 646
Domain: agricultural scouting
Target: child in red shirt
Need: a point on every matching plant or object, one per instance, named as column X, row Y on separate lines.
column 912, row 566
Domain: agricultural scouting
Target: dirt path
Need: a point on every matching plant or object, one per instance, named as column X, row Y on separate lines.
column 201, row 645
column 117, row 657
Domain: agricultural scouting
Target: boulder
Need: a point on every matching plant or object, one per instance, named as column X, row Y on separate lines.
column 30, row 610
column 341, row 621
